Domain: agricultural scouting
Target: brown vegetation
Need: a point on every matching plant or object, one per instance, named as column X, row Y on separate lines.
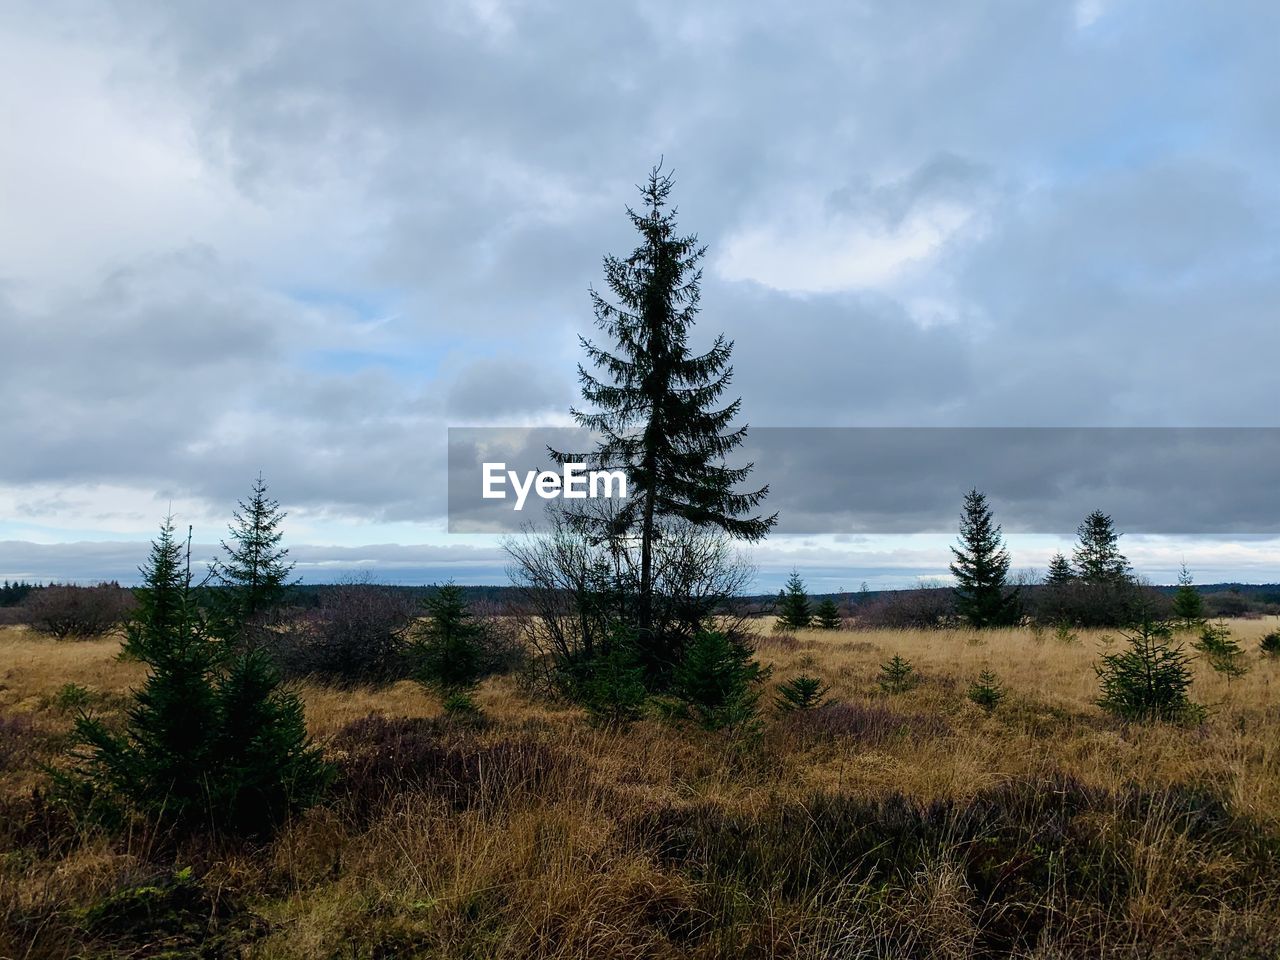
column 905, row 825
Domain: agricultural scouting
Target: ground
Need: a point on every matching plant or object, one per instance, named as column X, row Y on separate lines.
column 908, row 824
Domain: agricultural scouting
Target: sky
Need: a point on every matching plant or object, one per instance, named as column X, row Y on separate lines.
column 307, row 238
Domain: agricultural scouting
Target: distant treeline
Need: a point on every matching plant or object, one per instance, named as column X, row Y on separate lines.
column 24, row 602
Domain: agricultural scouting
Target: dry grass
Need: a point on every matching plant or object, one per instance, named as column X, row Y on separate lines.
column 918, row 825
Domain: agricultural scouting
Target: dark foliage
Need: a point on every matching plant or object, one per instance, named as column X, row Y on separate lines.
column 718, row 682
column 983, row 597
column 254, row 570
column 358, row 635
column 661, row 409
column 794, row 611
column 897, row 675
column 827, row 616
column 209, row 742
column 68, row 612
column 986, row 691
column 1270, row 644
column 1097, row 558
column 801, row 693
column 1149, row 680
column 447, row 646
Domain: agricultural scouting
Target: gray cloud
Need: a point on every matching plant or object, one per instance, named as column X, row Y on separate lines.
column 380, row 220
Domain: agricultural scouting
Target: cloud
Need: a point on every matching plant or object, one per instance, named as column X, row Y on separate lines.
column 307, row 237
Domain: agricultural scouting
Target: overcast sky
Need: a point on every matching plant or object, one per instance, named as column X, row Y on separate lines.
column 306, row 238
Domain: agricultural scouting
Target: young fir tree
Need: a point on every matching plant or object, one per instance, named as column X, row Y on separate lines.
column 981, row 568
column 828, row 615
column 1097, row 557
column 794, row 612
column 897, row 675
column 801, row 694
column 1188, row 605
column 660, row 407
column 254, row 572
column 205, row 742
column 448, row 645
column 1222, row 650
column 1060, row 571
column 718, row 682
column 161, row 763
column 986, row 691
column 1150, row 679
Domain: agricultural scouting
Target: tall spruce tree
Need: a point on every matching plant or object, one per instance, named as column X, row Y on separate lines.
column 981, row 568
column 1060, row 571
column 1188, row 605
column 794, row 610
column 659, row 407
column 1097, row 557
column 254, row 572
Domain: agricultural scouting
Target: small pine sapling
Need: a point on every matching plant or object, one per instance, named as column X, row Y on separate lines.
column 897, row 675
column 986, row 691
column 801, row 693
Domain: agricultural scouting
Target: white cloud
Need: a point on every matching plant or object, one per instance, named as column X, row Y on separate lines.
column 813, row 250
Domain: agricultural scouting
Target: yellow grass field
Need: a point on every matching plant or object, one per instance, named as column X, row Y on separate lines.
column 550, row 837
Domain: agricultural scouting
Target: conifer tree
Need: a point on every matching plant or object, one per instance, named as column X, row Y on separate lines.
column 208, row 741
column 981, row 568
column 1150, row 679
column 1060, row 571
column 794, row 612
column 828, row 615
column 266, row 765
column 659, row 407
column 1188, row 605
column 897, row 675
column 162, row 761
column 448, row 643
column 254, row 572
column 1098, row 559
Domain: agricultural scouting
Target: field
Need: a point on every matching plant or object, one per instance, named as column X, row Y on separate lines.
column 907, row 825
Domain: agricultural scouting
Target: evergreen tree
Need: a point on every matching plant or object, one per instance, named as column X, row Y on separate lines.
column 981, row 568
column 448, row 646
column 717, row 682
column 162, row 761
column 1060, row 571
column 1222, row 650
column 207, row 741
column 794, row 612
column 986, row 691
column 1188, row 605
column 1098, row 559
column 828, row 615
column 660, row 407
column 897, row 675
column 1149, row 680
column 254, row 572
column 266, row 764
column 800, row 694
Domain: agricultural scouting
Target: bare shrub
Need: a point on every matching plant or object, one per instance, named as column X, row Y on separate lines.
column 578, row 594
column 67, row 612
column 924, row 607
column 358, row 634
